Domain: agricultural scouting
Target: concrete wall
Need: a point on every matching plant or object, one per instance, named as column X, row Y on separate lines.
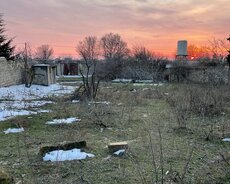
column 11, row 72
column 208, row 74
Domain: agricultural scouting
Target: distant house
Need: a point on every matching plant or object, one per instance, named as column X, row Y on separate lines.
column 67, row 66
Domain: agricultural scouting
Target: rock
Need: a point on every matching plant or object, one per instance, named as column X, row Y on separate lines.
column 113, row 147
column 5, row 178
column 62, row 146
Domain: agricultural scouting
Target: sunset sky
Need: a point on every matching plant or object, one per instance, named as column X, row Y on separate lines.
column 156, row 24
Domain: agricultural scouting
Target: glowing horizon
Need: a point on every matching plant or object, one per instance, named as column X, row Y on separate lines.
column 157, row 25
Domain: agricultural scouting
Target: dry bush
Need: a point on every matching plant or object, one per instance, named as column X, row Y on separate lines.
column 152, row 69
column 95, row 114
column 180, row 110
column 215, row 75
column 202, row 100
column 179, row 71
column 206, row 101
column 151, row 93
column 79, row 94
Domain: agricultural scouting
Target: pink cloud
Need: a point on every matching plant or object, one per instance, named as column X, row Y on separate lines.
column 156, row 24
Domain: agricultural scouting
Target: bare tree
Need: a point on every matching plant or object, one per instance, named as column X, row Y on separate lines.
column 144, row 64
column 221, row 50
column 198, row 53
column 44, row 52
column 113, row 47
column 25, row 55
column 140, row 62
column 88, row 50
column 218, row 48
column 142, row 54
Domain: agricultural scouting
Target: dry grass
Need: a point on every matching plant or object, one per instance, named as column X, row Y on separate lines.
column 140, row 116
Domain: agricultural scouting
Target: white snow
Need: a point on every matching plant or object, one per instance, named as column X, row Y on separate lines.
column 9, row 109
column 159, row 84
column 103, row 102
column 69, row 82
column 20, row 92
column 7, row 114
column 71, row 76
column 63, row 121
column 145, row 115
column 13, row 130
column 119, row 152
column 60, row 155
column 138, row 82
column 145, row 89
column 148, row 84
column 122, row 80
column 43, row 111
column 75, row 101
column 144, row 81
column 226, row 139
column 22, row 104
column 15, row 100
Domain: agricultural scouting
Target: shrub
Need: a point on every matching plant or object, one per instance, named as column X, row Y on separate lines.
column 202, row 100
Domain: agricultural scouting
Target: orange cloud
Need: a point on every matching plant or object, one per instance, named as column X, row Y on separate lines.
column 152, row 23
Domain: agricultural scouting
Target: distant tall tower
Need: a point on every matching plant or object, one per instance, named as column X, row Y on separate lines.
column 182, row 50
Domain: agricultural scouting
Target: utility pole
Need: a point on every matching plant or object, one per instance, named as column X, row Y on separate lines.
column 26, row 65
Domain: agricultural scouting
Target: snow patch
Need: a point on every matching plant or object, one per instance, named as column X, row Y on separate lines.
column 145, row 89
column 10, row 109
column 70, row 76
column 20, row 92
column 75, row 101
column 103, row 102
column 145, row 115
column 43, row 111
column 119, row 152
column 13, row 130
column 60, row 155
column 15, row 100
column 226, row 139
column 63, row 121
column 148, row 84
column 7, row 114
column 123, row 80
column 22, row 104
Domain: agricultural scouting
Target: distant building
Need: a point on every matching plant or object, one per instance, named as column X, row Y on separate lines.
column 67, row 66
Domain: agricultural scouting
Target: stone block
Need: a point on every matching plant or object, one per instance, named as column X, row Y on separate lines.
column 115, row 146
